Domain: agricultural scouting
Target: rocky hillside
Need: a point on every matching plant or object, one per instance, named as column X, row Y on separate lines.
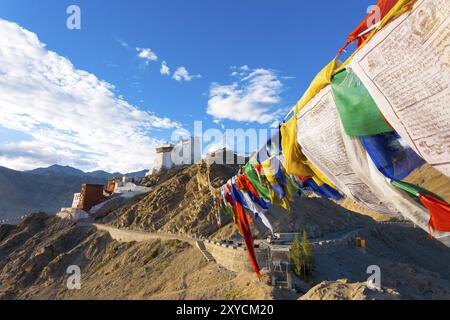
column 412, row 266
column 180, row 202
column 35, row 255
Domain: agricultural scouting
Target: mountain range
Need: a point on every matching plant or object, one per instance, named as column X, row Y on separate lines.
column 66, row 170
column 45, row 189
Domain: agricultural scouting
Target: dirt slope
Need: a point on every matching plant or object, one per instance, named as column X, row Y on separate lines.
column 411, row 264
column 344, row 290
column 34, row 257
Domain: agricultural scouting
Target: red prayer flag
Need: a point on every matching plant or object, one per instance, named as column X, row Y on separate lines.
column 244, row 229
column 377, row 14
column 304, row 178
column 248, row 185
column 439, row 212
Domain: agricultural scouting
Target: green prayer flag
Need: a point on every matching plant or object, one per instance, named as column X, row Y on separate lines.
column 413, row 190
column 358, row 111
column 251, row 175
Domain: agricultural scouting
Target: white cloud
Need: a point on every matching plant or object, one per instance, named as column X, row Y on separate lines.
column 32, row 154
column 147, row 54
column 71, row 116
column 250, row 99
column 165, row 70
column 182, row 74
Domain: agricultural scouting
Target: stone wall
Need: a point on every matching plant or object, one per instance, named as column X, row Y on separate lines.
column 122, row 235
column 235, row 258
column 335, row 245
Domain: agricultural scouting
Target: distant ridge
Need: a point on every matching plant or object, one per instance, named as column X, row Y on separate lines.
column 67, row 170
column 57, row 169
column 45, row 189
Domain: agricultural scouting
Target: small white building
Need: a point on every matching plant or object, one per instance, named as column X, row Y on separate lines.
column 132, row 179
column 76, row 200
column 130, row 187
column 185, row 152
column 163, row 158
column 224, row 156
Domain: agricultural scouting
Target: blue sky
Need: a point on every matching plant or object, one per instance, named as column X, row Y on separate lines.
column 263, row 54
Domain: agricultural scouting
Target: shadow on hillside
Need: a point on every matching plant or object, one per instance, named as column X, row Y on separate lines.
column 410, row 262
column 319, row 217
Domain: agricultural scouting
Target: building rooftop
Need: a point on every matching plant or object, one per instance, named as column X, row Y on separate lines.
column 165, row 148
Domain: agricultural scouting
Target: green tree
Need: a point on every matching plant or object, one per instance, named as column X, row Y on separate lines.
column 296, row 253
column 308, row 255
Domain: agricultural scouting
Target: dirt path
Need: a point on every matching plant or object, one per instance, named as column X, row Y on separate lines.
column 140, row 236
